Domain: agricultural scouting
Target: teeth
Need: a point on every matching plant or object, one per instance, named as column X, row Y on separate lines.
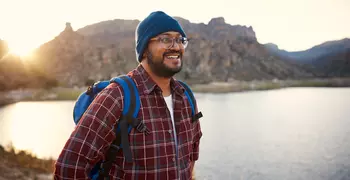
column 173, row 57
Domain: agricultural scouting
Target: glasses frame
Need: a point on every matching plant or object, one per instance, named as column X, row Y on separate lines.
column 178, row 40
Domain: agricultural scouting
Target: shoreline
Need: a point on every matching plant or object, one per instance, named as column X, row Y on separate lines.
column 21, row 165
column 246, row 86
column 61, row 93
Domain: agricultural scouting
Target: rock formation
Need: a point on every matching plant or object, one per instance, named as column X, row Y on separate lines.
column 217, row 52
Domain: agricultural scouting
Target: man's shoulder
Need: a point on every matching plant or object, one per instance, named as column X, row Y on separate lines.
column 113, row 90
column 183, row 85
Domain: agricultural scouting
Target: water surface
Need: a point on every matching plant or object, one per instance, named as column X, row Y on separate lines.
column 294, row 133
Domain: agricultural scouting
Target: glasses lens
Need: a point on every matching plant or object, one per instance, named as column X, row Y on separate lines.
column 166, row 40
column 169, row 42
column 184, row 42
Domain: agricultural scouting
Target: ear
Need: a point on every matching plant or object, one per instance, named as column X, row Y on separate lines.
column 145, row 52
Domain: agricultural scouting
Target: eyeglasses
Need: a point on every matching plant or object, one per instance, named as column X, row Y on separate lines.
column 168, row 42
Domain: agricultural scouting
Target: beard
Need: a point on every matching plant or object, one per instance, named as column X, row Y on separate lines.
column 159, row 68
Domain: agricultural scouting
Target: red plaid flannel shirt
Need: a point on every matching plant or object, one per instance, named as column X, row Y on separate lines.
column 153, row 154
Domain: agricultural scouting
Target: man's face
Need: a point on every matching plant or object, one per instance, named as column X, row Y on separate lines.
column 164, row 54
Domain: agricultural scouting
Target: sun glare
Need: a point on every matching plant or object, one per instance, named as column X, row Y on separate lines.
column 20, row 49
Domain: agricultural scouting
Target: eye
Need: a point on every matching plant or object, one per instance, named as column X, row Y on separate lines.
column 179, row 40
column 166, row 40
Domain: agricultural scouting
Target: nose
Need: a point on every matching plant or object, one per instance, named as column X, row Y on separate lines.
column 175, row 46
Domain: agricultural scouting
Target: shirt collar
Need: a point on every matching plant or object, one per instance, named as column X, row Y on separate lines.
column 147, row 85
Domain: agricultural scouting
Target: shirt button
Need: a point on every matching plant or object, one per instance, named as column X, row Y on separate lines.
column 173, row 159
column 169, row 131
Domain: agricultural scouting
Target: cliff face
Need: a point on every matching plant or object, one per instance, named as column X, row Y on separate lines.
column 217, row 52
column 218, row 30
column 75, row 59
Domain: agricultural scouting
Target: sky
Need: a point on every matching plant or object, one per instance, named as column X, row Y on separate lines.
column 293, row 25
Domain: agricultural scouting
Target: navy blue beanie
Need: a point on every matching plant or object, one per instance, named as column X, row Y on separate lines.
column 156, row 23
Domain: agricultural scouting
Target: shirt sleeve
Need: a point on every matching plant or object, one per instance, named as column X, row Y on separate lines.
column 196, row 138
column 91, row 137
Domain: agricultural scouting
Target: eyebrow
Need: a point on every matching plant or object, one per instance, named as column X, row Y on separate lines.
column 169, row 34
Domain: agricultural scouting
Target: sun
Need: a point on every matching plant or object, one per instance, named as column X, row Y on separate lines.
column 21, row 49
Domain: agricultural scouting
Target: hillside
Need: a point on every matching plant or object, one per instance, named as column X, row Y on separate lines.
column 312, row 54
column 217, row 52
column 329, row 59
column 335, row 64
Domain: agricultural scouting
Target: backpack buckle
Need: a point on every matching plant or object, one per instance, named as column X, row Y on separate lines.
column 89, row 91
column 197, row 116
column 141, row 127
column 115, row 147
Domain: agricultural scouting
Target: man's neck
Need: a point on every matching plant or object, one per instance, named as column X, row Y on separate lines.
column 163, row 83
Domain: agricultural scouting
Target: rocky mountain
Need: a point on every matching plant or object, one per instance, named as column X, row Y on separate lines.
column 329, row 59
column 16, row 73
column 75, row 59
column 217, row 52
column 336, row 64
column 312, row 54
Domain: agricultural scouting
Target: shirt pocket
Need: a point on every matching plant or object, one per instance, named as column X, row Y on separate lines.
column 150, row 151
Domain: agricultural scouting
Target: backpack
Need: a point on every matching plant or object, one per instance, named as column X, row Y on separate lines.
column 126, row 122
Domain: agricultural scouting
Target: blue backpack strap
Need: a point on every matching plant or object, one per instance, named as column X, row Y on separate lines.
column 85, row 99
column 192, row 101
column 130, row 110
column 126, row 122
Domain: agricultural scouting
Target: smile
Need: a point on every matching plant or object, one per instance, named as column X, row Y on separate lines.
column 173, row 57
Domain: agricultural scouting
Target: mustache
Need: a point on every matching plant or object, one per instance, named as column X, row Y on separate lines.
column 172, row 52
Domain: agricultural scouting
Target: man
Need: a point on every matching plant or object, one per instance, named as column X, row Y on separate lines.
column 171, row 148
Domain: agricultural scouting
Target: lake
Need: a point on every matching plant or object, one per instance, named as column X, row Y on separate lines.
column 289, row 134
